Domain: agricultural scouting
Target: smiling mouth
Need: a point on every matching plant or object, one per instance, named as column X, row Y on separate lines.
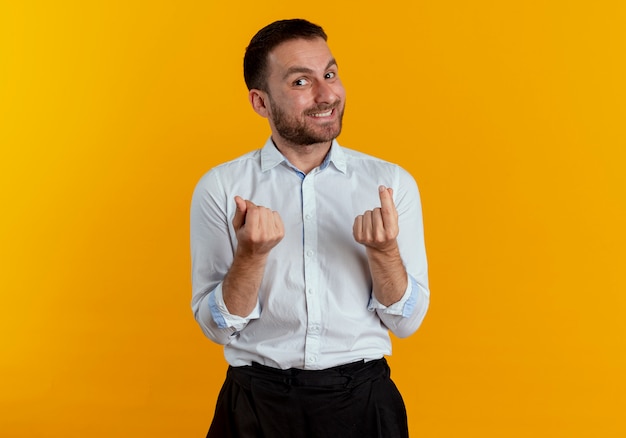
column 324, row 114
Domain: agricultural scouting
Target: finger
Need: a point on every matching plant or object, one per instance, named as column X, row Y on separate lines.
column 357, row 228
column 279, row 228
column 386, row 196
column 378, row 225
column 240, row 213
column 367, row 226
column 388, row 208
column 258, row 219
column 278, row 223
column 250, row 204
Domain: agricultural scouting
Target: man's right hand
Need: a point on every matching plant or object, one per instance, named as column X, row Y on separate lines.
column 258, row 229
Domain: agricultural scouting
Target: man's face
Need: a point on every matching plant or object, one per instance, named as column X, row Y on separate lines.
column 306, row 97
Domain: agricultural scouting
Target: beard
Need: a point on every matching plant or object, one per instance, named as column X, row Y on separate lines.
column 298, row 132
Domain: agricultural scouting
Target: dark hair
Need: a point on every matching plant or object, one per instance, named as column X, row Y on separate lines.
column 255, row 59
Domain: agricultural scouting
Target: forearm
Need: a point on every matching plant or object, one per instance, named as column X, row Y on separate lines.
column 389, row 277
column 398, row 267
column 404, row 317
column 241, row 285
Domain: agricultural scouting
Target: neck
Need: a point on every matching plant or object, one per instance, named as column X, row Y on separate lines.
column 304, row 157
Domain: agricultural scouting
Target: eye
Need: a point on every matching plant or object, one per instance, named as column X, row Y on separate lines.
column 330, row 75
column 300, row 82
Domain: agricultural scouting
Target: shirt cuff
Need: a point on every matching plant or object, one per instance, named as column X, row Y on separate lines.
column 404, row 307
column 222, row 317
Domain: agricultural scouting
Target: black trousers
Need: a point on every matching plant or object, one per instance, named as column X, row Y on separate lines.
column 357, row 400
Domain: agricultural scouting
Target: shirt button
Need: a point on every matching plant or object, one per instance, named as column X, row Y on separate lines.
column 314, row 328
column 308, row 217
column 311, row 359
column 310, row 291
column 309, row 253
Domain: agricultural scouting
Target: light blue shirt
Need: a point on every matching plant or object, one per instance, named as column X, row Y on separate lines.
column 315, row 308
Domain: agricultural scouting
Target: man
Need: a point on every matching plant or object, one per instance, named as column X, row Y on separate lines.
column 304, row 255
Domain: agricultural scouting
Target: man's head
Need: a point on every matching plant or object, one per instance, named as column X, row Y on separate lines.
column 293, row 81
column 268, row 38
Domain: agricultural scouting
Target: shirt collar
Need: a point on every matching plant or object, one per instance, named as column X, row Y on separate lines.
column 271, row 157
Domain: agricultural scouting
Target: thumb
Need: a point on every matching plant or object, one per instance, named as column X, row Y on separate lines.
column 386, row 196
column 240, row 214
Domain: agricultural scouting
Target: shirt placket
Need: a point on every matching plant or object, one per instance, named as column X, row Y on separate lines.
column 311, row 272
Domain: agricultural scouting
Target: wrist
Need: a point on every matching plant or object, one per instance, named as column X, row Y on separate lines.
column 390, row 251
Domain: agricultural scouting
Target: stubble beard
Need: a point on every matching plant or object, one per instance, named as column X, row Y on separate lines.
column 297, row 132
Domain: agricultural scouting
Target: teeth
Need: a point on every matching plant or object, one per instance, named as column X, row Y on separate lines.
column 326, row 114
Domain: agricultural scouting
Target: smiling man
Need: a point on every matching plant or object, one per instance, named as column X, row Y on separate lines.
column 305, row 255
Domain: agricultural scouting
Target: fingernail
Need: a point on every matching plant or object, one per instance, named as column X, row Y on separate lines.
column 381, row 188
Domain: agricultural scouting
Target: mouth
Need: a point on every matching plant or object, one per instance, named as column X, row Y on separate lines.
column 326, row 113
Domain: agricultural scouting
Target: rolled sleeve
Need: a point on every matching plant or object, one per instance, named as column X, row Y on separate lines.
column 404, row 307
column 224, row 319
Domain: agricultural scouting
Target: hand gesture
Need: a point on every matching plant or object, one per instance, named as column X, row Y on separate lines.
column 377, row 229
column 258, row 229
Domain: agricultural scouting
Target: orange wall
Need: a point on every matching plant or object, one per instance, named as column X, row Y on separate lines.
column 511, row 116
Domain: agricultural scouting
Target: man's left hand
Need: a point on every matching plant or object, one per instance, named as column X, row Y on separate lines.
column 378, row 228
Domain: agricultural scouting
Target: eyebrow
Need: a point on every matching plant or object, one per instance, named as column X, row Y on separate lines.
column 297, row 69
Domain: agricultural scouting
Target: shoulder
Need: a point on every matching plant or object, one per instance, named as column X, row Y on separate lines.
column 231, row 168
column 248, row 159
column 360, row 162
column 361, row 157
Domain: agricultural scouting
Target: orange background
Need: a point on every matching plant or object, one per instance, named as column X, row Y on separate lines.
column 510, row 115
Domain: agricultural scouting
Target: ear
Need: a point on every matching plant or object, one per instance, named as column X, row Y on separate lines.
column 258, row 100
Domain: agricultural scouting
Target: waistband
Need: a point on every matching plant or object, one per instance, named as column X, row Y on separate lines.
column 345, row 376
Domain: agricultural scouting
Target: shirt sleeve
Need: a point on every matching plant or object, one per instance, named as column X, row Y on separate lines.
column 405, row 316
column 404, row 307
column 212, row 251
column 222, row 317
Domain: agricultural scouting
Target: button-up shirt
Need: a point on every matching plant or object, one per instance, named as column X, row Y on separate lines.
column 315, row 305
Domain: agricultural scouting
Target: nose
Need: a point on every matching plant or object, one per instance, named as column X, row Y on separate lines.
column 325, row 93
